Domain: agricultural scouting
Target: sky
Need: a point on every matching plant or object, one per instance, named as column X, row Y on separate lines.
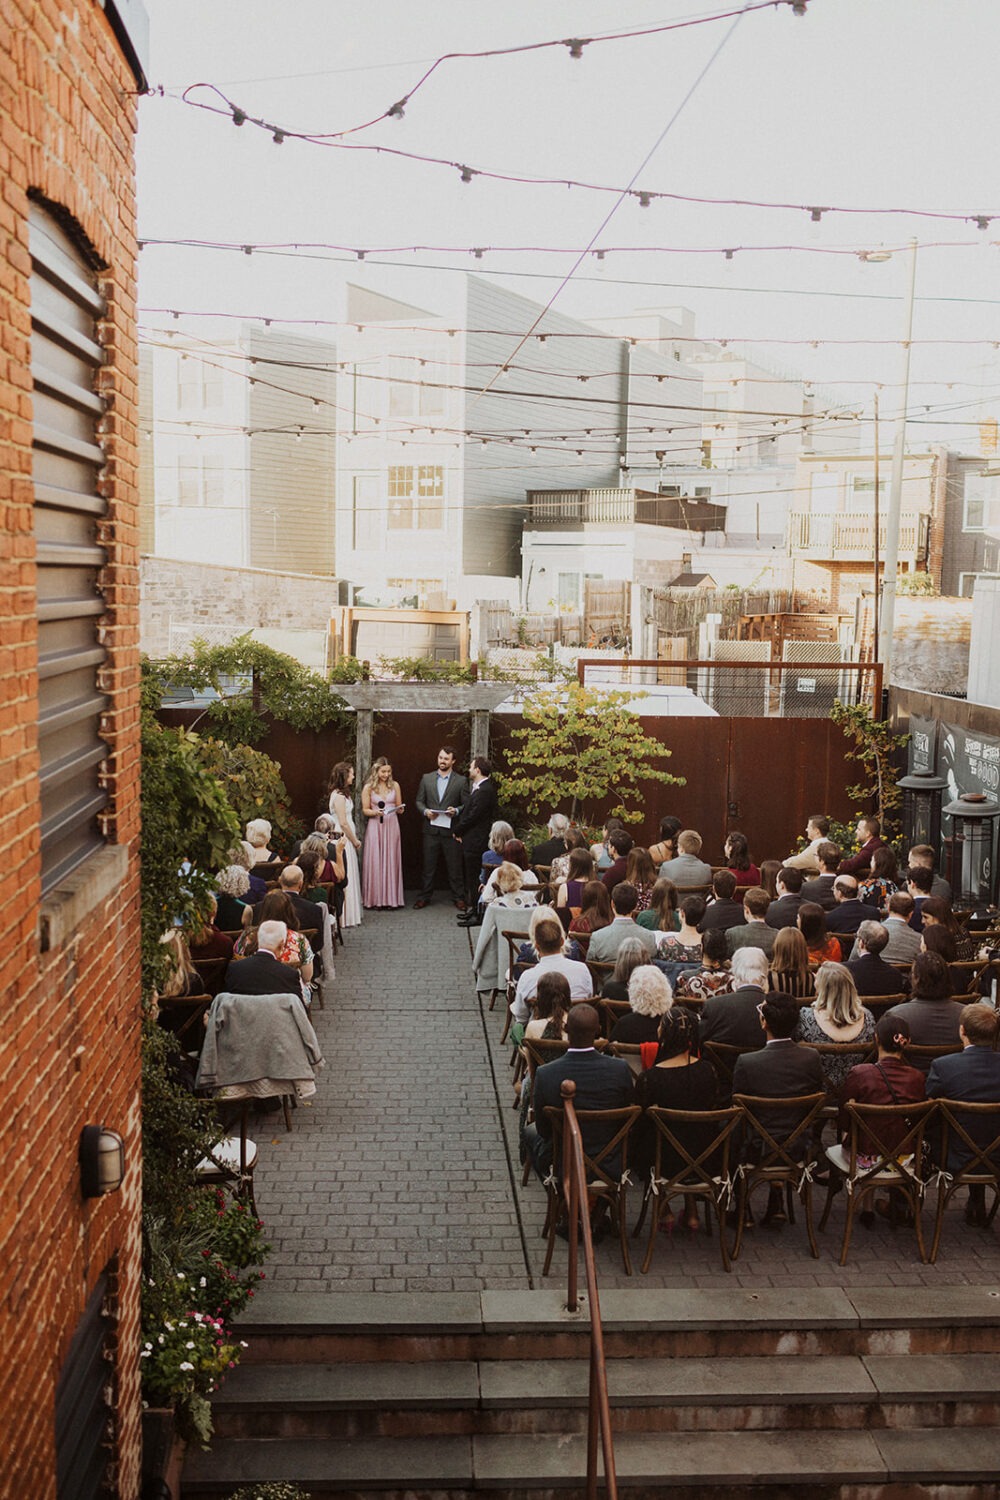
column 869, row 104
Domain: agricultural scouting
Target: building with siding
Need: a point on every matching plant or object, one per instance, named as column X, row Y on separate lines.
column 971, row 523
column 238, row 448
column 443, row 430
column 69, row 748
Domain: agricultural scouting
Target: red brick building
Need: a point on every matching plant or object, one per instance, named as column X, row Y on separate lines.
column 69, row 751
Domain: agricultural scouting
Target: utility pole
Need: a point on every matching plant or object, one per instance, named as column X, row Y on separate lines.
column 896, row 487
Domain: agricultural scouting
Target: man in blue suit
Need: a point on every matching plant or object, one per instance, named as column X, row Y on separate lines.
column 971, row 1076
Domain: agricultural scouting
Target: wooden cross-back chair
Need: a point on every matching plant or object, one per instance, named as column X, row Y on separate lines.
column 183, row 1016
column 971, row 1131
column 231, row 1161
column 780, row 1144
column 884, row 1152
column 602, row 1183
column 701, row 1168
column 212, row 973
column 722, row 1056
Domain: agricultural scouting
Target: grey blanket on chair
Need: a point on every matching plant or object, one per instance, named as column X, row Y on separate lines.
column 257, row 1036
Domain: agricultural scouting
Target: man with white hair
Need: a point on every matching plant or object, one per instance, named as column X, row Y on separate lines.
column 735, row 1019
column 263, row 973
column 555, row 844
column 309, row 917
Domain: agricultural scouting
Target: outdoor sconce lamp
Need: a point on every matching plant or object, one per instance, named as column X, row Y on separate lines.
column 922, row 797
column 971, row 863
column 102, row 1161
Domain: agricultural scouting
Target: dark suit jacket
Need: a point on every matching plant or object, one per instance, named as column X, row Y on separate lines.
column 847, row 916
column 262, row 974
column 860, row 863
column 456, row 793
column 873, row 976
column 614, row 874
column 733, row 1018
column 544, row 854
column 722, row 915
column 820, row 890
column 308, row 915
column 932, row 1023
column 784, row 912
column 781, row 1070
column 973, row 1076
column 601, row 1083
column 477, row 817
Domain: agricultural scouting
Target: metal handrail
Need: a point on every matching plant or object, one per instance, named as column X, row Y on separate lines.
column 574, row 1183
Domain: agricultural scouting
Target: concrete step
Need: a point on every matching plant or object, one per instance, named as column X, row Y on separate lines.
column 532, row 1396
column 331, row 1328
column 944, row 1464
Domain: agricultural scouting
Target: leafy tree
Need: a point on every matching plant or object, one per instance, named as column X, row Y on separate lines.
column 252, row 785
column 582, row 745
column 253, row 681
column 875, row 746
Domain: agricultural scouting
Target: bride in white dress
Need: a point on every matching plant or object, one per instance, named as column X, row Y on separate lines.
column 342, row 810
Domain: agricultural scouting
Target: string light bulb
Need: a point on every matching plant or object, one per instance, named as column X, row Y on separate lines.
column 239, row 116
column 644, row 200
column 278, row 137
column 576, row 46
column 816, row 214
column 466, row 174
column 396, row 112
column 799, row 7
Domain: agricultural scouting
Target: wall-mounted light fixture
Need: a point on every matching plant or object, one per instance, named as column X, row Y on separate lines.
column 102, row 1161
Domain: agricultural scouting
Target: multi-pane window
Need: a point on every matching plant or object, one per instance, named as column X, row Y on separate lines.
column 201, row 478
column 416, row 493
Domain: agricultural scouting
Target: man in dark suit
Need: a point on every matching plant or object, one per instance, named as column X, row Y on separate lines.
column 820, row 889
column 442, row 795
column 601, row 1083
column 848, row 912
column 868, row 835
column 782, row 1069
column 472, row 830
column 871, row 974
column 552, row 848
column 309, row 917
column 753, row 932
column 919, row 884
column 724, row 912
column 263, row 973
column 785, row 911
column 733, row 1018
column 971, row 1076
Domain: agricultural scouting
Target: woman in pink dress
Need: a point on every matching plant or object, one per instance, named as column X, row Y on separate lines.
column 381, row 805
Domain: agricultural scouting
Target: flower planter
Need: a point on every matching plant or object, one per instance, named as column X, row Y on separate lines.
column 162, row 1454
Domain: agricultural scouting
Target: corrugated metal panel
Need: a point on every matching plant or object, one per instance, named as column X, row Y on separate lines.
column 66, row 460
column 83, row 1417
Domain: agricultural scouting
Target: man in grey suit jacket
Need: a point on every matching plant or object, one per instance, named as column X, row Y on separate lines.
column 441, row 797
column 606, row 941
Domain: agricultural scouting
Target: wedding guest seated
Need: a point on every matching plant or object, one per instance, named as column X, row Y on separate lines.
column 258, row 833
column 754, row 931
column 807, row 859
column 790, row 973
column 602, row 1083
column 665, row 850
column 551, row 1009
column 547, row 939
column 931, row 1014
column 687, row 867
column 937, row 938
column 903, row 943
column 784, row 910
column 732, row 1018
column 569, row 895
column 781, row 1069
column 514, row 853
column 868, row 835
column 602, row 852
column 937, row 913
column 641, row 872
column 769, row 877
column 919, row 881
column 650, row 997
column 723, row 911
column 233, row 884
column 971, row 1076
column 683, row 947
column 678, row 1079
column 207, row 940
column 820, row 888
column 821, row 947
column 312, row 865
column 277, row 907
column 662, row 914
column 631, row 956
column 500, row 834
column 714, row 977
column 875, row 887
column 922, row 855
column 870, row 972
column 555, row 845
column 848, row 912
column 181, row 978
column 620, row 844
column 263, row 972
column 595, row 913
column 737, row 852
column 604, row 944
column 559, row 868
column 506, row 889
column 836, row 1015
column 889, row 1080
column 242, row 853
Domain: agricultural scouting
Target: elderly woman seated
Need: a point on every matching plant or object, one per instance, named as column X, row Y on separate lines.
column 233, row 886
column 506, row 888
column 650, row 998
column 259, row 836
column 630, row 956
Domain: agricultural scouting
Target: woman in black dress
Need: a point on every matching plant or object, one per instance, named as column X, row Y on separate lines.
column 679, row 1079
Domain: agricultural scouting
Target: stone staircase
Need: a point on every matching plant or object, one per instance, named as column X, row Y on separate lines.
column 798, row 1392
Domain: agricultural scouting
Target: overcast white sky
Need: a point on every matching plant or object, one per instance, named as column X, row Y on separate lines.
column 875, row 103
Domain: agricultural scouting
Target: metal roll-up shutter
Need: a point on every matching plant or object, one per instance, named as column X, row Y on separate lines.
column 84, row 1423
column 66, row 461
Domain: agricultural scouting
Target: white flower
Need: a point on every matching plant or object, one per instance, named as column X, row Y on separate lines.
column 168, row 1326
column 160, row 1339
column 181, row 1276
column 185, row 1364
column 189, row 1345
column 203, row 1281
column 144, row 1354
column 244, row 1344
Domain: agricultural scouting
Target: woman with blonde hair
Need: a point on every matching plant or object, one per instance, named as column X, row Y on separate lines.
column 506, row 888
column 342, row 811
column 836, row 1015
column 790, row 972
column 381, row 804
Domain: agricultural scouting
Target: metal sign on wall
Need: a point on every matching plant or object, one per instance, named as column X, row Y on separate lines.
column 970, row 761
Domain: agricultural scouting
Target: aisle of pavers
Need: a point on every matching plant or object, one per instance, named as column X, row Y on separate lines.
column 395, row 1178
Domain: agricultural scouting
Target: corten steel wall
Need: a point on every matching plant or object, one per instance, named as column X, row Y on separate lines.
column 69, row 1049
column 761, row 776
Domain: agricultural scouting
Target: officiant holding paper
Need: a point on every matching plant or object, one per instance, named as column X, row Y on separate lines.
column 441, row 797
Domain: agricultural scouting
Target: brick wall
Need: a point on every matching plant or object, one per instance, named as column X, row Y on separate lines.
column 199, row 595
column 69, row 1049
